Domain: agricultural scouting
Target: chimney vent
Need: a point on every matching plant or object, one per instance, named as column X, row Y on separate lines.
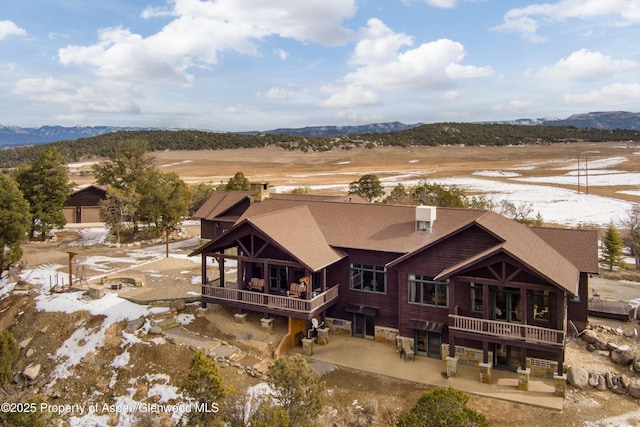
column 425, row 217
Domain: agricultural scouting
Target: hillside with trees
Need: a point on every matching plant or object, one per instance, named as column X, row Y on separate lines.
column 426, row 135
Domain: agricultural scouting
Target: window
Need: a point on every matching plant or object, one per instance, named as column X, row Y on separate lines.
column 369, row 278
column 541, row 306
column 424, row 290
column 476, row 297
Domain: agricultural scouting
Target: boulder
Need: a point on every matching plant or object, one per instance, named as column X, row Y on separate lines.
column 634, row 389
column 612, row 380
column 589, row 336
column 593, row 379
column 602, row 383
column 623, row 355
column 636, row 364
column 134, row 325
column 178, row 304
column 578, row 377
column 31, row 372
column 155, row 330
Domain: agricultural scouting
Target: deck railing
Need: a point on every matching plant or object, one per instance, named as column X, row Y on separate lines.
column 259, row 299
column 507, row 330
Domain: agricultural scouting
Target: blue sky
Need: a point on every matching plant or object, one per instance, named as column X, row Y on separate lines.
column 235, row 65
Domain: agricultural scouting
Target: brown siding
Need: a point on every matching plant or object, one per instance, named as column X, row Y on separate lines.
column 431, row 262
column 387, row 304
column 577, row 311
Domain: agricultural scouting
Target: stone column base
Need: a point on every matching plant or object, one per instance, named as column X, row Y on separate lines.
column 267, row 325
column 323, row 336
column 307, row 346
column 452, row 366
column 485, row 373
column 561, row 385
column 523, row 379
column 240, row 317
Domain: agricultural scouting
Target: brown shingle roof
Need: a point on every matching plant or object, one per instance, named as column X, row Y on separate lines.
column 297, row 233
column 572, row 244
column 556, row 254
column 219, row 202
column 389, row 228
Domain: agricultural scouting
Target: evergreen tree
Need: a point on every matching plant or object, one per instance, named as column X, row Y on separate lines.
column 442, row 407
column 15, row 221
column 368, row 187
column 8, row 354
column 200, row 193
column 297, row 388
column 117, row 210
column 237, row 183
column 612, row 248
column 45, row 185
column 204, row 385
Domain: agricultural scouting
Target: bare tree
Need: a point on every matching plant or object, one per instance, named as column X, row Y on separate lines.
column 632, row 237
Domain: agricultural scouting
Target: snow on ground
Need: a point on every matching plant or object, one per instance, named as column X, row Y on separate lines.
column 556, row 205
column 596, row 164
column 631, row 192
column 499, row 174
column 595, row 178
column 91, row 236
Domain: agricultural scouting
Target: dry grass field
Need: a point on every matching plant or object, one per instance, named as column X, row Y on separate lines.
column 322, row 170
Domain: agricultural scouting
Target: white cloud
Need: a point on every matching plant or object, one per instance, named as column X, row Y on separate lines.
column 350, row 96
column 381, row 64
column 513, row 106
column 612, row 95
column 281, row 53
column 527, row 20
column 103, row 99
column 276, row 93
column 433, row 65
column 585, row 65
column 202, row 30
column 9, row 28
column 447, row 4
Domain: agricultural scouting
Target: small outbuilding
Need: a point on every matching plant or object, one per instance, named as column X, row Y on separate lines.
column 83, row 206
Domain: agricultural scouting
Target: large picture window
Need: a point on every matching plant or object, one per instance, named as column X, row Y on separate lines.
column 368, row 278
column 541, row 306
column 426, row 291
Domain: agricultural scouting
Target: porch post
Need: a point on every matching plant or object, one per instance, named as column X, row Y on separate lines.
column 221, row 265
column 265, row 275
column 203, row 267
column 485, row 351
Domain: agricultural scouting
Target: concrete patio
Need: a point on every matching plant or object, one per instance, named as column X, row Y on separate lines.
column 381, row 358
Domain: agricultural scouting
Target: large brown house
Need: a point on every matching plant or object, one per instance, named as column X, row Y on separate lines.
column 465, row 285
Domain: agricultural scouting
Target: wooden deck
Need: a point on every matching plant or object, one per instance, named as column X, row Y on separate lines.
column 269, row 303
column 515, row 331
column 601, row 307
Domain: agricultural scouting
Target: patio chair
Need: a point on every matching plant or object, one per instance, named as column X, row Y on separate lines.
column 407, row 351
column 256, row 284
column 297, row 289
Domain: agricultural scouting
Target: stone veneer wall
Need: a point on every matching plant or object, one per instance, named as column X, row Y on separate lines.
column 338, row 326
column 385, row 334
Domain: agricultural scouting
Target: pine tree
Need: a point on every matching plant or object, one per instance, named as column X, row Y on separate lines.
column 612, row 248
column 45, row 185
column 15, row 221
column 297, row 388
column 204, row 385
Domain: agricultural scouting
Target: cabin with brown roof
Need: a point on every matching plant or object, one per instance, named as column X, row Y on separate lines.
column 469, row 286
column 83, row 205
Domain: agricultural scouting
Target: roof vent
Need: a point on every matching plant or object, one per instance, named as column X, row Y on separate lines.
column 425, row 217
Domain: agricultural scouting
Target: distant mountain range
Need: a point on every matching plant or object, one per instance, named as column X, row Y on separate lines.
column 16, row 136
